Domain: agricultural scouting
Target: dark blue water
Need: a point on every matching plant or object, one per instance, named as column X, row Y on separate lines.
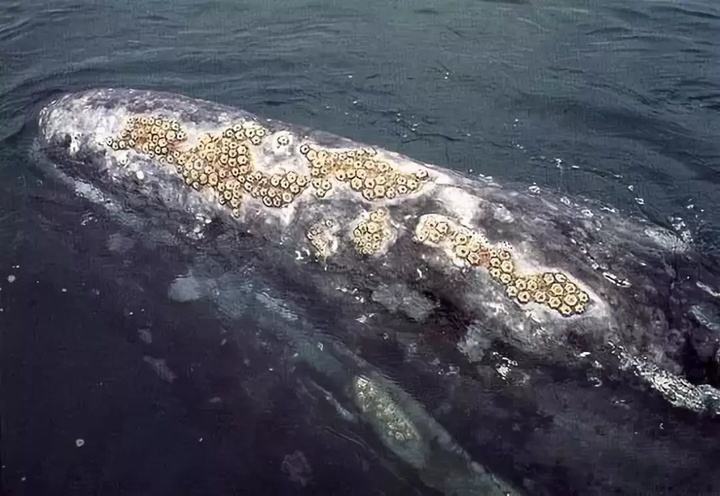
column 610, row 100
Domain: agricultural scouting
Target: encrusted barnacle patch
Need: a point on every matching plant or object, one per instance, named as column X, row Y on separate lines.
column 371, row 235
column 220, row 162
column 322, row 238
column 150, row 135
column 362, row 171
column 552, row 289
column 379, row 404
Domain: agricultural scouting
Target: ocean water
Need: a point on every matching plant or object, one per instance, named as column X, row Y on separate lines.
column 610, row 100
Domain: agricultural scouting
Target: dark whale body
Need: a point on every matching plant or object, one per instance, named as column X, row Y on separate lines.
column 647, row 338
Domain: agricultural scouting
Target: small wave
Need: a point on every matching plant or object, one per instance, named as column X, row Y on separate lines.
column 676, row 11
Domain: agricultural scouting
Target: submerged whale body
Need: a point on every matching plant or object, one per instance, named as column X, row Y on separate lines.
column 391, row 244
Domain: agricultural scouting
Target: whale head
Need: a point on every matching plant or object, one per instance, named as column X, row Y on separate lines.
column 77, row 130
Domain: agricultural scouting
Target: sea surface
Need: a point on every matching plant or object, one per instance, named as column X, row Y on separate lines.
column 615, row 101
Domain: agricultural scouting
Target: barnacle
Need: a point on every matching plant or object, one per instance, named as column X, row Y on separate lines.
column 523, row 296
column 507, row 266
column 570, row 300
column 462, row 251
column 474, row 258
column 565, row 310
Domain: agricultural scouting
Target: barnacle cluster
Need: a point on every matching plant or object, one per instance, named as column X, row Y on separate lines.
column 275, row 190
column 372, row 232
column 377, row 403
column 222, row 162
column 552, row 289
column 154, row 136
column 366, row 174
column 322, row 237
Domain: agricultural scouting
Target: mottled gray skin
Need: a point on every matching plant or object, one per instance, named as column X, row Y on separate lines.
column 652, row 316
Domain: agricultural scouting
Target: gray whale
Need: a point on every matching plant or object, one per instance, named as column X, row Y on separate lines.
column 634, row 301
